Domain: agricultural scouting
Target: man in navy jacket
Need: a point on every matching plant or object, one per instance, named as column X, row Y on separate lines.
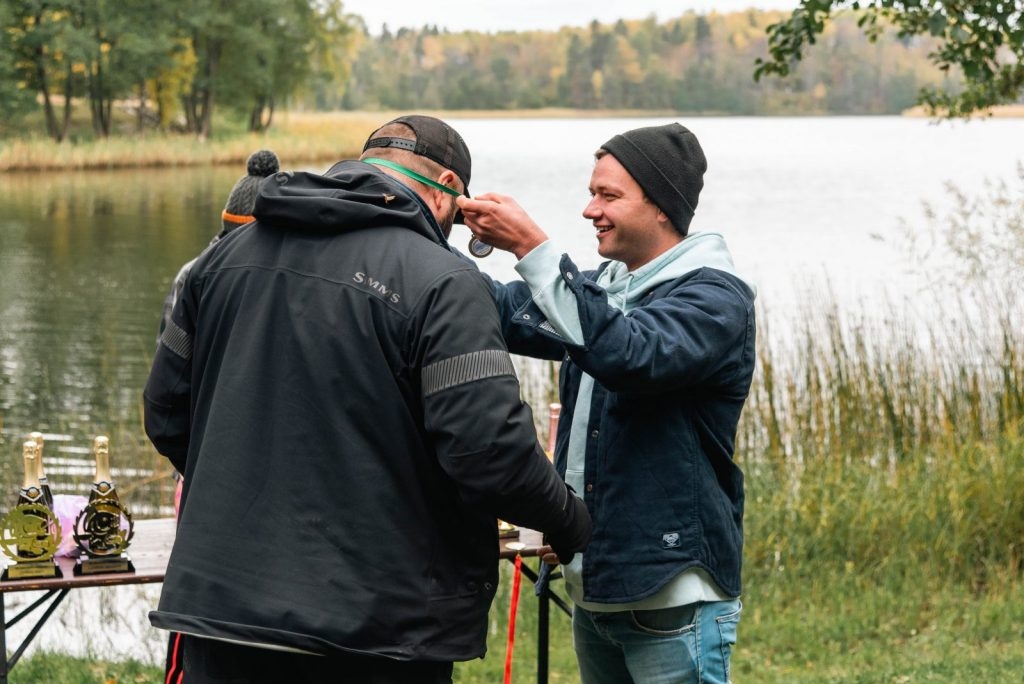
column 657, row 351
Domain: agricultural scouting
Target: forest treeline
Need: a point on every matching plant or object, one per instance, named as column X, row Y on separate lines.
column 696, row 63
column 171, row 65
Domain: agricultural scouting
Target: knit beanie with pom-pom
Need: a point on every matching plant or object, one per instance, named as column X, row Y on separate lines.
column 238, row 210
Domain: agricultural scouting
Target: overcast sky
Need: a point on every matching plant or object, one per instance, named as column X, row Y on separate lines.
column 522, row 15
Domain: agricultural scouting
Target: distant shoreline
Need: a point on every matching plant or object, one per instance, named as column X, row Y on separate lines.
column 310, row 136
column 1000, row 112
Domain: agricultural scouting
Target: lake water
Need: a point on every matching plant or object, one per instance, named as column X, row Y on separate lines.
column 86, row 258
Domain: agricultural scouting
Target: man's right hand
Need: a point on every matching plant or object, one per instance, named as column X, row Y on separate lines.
column 575, row 536
column 499, row 221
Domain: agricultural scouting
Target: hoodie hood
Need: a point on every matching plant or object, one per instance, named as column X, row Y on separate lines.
column 351, row 196
column 699, row 250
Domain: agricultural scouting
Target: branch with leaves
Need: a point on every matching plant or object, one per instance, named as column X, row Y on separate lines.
column 984, row 40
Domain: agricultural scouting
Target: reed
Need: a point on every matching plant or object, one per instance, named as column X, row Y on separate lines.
column 884, row 461
column 887, row 446
column 309, row 137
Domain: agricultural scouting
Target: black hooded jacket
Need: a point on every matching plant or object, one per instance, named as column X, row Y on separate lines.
column 335, row 387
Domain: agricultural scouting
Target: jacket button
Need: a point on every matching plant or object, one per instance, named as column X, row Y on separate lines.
column 526, row 317
column 590, row 487
column 568, row 276
column 488, row 586
column 595, row 433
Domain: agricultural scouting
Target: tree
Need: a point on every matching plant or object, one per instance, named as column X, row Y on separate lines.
column 39, row 35
column 15, row 101
column 984, row 39
column 272, row 57
column 337, row 39
column 115, row 58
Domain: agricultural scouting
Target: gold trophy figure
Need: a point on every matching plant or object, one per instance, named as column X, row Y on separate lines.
column 30, row 532
column 104, row 527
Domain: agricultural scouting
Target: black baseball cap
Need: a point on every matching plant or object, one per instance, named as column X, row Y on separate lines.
column 435, row 140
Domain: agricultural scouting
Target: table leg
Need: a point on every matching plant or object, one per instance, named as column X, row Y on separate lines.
column 543, row 608
column 545, row 597
column 9, row 663
column 3, row 640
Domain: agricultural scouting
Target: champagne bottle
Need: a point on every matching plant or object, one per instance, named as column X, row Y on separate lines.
column 44, row 484
column 103, row 485
column 31, row 542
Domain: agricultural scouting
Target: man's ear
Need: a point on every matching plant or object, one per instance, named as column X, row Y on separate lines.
column 448, row 179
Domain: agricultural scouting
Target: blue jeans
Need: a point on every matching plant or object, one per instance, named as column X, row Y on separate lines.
column 689, row 644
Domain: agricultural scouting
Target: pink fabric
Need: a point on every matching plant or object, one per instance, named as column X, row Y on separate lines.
column 177, row 496
column 67, row 507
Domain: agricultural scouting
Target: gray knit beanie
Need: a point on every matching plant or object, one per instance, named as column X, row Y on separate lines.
column 238, row 210
column 668, row 164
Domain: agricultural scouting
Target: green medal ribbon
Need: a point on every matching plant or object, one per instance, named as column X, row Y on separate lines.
column 411, row 174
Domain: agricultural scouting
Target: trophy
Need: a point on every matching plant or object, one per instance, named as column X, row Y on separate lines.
column 30, row 532
column 507, row 530
column 104, row 527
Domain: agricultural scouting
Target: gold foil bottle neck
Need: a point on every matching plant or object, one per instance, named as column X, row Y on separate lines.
column 37, row 437
column 28, row 455
column 101, row 450
column 103, row 485
column 44, row 484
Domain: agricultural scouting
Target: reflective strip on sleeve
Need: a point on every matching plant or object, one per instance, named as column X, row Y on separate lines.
column 459, row 370
column 177, row 340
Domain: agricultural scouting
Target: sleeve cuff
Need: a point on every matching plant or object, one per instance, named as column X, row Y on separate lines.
column 540, row 266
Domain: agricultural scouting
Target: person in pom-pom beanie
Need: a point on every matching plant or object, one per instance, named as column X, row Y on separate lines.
column 237, row 212
column 657, row 352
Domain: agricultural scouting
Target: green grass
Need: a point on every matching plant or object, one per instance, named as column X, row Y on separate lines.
column 54, row 668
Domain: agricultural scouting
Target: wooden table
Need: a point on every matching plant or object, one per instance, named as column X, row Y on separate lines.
column 149, row 551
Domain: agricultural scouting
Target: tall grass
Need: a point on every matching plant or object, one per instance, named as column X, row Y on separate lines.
column 307, row 137
column 889, row 449
column 884, row 462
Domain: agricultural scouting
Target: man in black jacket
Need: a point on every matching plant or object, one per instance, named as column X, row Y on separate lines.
column 335, row 387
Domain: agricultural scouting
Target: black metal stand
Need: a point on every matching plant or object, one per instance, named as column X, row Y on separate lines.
column 544, row 598
column 8, row 663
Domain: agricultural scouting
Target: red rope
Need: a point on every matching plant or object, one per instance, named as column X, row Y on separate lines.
column 512, row 609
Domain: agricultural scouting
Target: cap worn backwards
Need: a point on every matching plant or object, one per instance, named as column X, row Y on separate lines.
column 435, row 140
column 667, row 162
